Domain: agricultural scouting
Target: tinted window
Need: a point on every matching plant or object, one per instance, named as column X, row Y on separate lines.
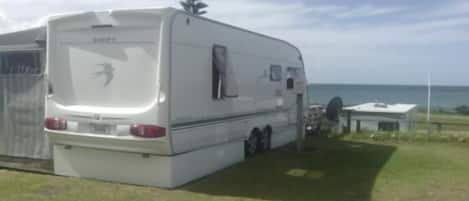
column 218, row 69
column 388, row 126
column 224, row 84
column 290, row 83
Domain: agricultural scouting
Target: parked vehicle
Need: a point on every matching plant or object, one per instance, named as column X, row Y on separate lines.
column 159, row 97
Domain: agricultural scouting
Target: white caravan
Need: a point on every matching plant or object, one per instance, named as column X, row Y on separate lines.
column 159, row 97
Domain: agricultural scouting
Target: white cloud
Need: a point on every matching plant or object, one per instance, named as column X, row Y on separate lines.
column 8, row 24
column 367, row 11
column 447, row 10
column 259, row 15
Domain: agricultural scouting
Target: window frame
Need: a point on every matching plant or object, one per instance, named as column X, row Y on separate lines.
column 37, row 60
column 278, row 68
column 388, row 126
column 293, row 75
column 294, row 70
column 217, row 87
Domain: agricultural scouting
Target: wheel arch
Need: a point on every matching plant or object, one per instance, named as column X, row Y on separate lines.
column 251, row 131
column 269, row 129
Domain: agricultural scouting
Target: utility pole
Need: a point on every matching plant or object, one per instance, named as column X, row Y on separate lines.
column 429, row 102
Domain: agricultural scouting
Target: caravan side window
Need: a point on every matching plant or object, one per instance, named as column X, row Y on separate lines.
column 275, row 73
column 18, row 63
column 293, row 72
column 223, row 77
column 292, row 76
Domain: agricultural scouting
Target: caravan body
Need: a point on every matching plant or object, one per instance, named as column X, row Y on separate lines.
column 158, row 97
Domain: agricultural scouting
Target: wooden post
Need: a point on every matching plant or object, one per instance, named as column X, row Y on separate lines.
column 359, row 127
column 349, row 122
column 299, row 123
column 429, row 105
column 5, row 105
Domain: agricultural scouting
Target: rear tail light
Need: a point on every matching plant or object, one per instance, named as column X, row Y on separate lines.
column 55, row 123
column 147, row 131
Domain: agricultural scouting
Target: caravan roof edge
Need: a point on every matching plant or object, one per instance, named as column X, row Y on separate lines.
column 241, row 29
column 173, row 11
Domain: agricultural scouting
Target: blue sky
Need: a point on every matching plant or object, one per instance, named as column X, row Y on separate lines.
column 348, row 41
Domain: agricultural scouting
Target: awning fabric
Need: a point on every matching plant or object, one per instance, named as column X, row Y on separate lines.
column 30, row 37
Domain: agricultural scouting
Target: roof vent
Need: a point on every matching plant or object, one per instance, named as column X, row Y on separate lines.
column 381, row 105
column 97, row 26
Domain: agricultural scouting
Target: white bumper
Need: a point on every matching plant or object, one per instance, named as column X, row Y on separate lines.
column 113, row 143
column 148, row 170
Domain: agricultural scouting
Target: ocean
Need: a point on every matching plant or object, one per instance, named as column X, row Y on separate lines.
column 443, row 97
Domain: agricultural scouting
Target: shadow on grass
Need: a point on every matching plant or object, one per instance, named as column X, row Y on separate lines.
column 338, row 170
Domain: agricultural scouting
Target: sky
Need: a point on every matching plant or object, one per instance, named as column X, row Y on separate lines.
column 347, row 41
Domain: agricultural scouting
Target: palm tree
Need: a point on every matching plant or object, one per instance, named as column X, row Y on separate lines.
column 194, row 7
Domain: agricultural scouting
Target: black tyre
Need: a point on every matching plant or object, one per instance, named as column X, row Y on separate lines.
column 250, row 145
column 264, row 140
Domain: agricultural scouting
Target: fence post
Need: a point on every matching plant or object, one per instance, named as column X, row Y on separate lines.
column 4, row 105
column 299, row 123
column 5, row 130
column 349, row 122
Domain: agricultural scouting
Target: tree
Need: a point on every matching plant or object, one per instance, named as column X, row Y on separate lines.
column 463, row 109
column 194, row 7
column 334, row 108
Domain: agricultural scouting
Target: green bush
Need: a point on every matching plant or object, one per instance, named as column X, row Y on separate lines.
column 463, row 109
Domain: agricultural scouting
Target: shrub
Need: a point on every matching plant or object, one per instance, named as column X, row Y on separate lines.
column 463, row 109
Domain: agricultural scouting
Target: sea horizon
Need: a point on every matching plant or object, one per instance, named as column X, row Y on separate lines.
column 371, row 84
column 444, row 97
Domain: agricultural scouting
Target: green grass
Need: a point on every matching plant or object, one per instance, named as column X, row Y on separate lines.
column 339, row 170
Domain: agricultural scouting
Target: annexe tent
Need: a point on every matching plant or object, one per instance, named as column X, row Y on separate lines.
column 22, row 92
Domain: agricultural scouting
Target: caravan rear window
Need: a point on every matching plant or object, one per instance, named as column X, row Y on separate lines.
column 224, row 84
column 14, row 63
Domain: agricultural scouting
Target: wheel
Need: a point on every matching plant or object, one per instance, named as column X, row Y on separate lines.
column 250, row 145
column 264, row 140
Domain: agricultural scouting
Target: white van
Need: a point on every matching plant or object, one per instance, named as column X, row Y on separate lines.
column 159, row 97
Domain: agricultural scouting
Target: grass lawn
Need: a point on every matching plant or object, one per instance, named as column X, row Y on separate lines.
column 341, row 170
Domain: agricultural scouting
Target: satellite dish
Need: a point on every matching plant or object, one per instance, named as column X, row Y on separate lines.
column 334, row 108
